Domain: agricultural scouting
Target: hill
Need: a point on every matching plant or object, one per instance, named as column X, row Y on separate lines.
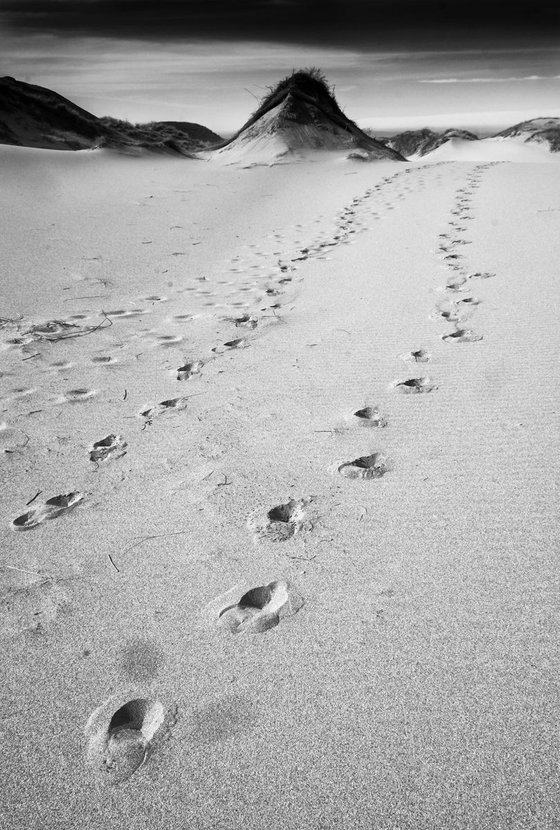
column 301, row 113
column 542, row 130
column 33, row 116
column 421, row 142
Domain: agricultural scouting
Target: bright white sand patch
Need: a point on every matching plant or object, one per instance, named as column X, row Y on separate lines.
column 494, row 149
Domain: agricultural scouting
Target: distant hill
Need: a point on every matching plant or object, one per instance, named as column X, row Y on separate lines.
column 33, row 116
column 421, row 142
column 301, row 113
column 543, row 130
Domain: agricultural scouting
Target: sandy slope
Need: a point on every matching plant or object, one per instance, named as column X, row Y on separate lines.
column 415, row 688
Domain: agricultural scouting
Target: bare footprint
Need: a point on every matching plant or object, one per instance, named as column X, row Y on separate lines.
column 51, row 509
column 415, row 386
column 122, row 733
column 259, row 609
column 112, row 446
column 367, row 467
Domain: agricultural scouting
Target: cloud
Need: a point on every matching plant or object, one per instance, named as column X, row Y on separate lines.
column 489, row 80
column 337, row 22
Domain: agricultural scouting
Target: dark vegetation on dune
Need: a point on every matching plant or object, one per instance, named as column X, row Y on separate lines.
column 304, row 99
column 421, row 142
column 32, row 116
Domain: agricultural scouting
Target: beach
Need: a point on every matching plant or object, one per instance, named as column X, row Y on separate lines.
column 331, row 380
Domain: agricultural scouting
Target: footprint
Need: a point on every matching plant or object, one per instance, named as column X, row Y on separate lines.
column 104, row 359
column 31, row 607
column 418, row 356
column 455, row 283
column 12, row 439
column 281, row 522
column 122, row 733
column 189, row 369
column 171, row 405
column 481, row 275
column 169, row 339
column 51, row 330
column 51, row 509
column 124, row 312
column 472, row 301
column 260, row 608
column 415, row 386
column 369, row 416
column 112, row 446
column 247, row 321
column 449, row 312
column 240, row 343
column 462, row 336
column 367, row 466
column 77, row 395
column 62, row 365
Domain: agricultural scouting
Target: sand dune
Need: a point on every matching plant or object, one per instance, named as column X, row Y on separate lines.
column 279, row 460
column 493, row 149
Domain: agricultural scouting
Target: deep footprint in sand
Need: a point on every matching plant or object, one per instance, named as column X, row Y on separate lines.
column 259, row 609
column 189, row 369
column 462, row 336
column 370, row 416
column 112, row 446
column 51, row 509
column 281, row 522
column 170, row 405
column 415, row 386
column 122, row 733
column 365, row 467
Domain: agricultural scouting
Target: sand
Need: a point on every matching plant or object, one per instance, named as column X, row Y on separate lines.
column 217, row 626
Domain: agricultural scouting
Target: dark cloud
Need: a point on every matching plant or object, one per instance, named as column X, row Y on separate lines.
column 373, row 23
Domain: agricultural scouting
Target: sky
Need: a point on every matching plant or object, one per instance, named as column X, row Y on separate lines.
column 394, row 64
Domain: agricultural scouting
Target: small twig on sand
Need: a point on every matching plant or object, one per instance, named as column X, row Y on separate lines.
column 38, row 493
column 143, row 539
column 125, row 396
column 224, row 483
column 31, row 356
column 22, row 570
column 112, row 563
